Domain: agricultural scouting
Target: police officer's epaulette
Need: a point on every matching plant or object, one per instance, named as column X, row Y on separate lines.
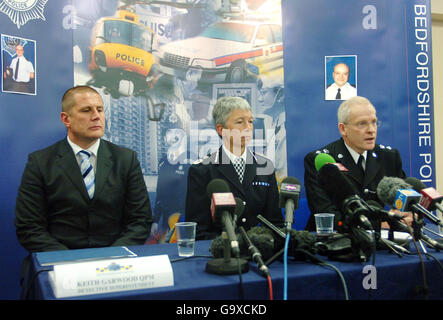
column 383, row 147
column 198, row 161
column 260, row 158
column 260, row 155
column 204, row 160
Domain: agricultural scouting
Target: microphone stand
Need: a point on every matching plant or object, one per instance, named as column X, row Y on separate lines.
column 417, row 226
column 278, row 232
column 226, row 265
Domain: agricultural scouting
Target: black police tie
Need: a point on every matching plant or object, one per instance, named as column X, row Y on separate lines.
column 338, row 96
column 360, row 165
column 16, row 69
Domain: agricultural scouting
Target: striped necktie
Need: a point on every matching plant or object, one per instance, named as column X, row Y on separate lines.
column 87, row 172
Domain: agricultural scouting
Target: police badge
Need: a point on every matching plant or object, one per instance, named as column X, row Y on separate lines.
column 21, row 11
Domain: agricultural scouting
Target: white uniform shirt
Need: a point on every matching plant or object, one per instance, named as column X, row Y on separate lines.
column 347, row 91
column 24, row 69
column 92, row 149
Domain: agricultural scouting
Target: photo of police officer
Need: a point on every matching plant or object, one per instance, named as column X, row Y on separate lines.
column 18, row 65
column 340, row 77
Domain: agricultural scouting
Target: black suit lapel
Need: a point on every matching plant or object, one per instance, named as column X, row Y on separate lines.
column 372, row 167
column 346, row 159
column 104, row 165
column 250, row 169
column 68, row 164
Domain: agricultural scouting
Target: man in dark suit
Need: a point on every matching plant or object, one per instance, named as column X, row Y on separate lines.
column 57, row 210
column 357, row 123
column 253, row 181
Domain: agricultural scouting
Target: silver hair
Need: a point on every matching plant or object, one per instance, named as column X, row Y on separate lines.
column 344, row 110
column 225, row 105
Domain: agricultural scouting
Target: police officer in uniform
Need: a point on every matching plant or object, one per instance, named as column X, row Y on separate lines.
column 357, row 123
column 250, row 177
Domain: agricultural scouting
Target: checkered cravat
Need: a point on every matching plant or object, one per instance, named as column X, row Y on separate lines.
column 87, row 172
column 239, row 166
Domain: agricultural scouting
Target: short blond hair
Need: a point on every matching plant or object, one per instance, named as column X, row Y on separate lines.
column 344, row 110
column 68, row 100
column 225, row 105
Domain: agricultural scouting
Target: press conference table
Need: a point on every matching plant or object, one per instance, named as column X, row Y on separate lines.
column 396, row 278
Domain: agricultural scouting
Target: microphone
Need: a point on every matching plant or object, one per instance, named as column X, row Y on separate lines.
column 223, row 264
column 418, row 186
column 431, row 199
column 255, row 253
column 261, row 237
column 392, row 217
column 384, row 214
column 405, row 199
column 387, row 189
column 272, row 240
column 323, row 158
column 344, row 195
column 288, row 199
column 398, row 193
column 222, row 208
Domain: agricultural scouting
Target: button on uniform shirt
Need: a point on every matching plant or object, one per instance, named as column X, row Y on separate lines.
column 346, row 92
column 25, row 68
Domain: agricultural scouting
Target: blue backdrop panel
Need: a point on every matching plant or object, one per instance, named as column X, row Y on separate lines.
column 382, row 36
column 30, row 122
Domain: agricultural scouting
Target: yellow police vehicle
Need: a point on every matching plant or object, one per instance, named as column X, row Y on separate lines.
column 121, row 55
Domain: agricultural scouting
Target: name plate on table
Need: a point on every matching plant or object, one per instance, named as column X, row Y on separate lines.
column 112, row 275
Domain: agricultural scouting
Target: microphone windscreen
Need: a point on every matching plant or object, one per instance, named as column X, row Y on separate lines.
column 264, row 240
column 387, row 189
column 217, row 186
column 291, row 180
column 416, row 184
column 300, row 240
column 289, row 189
column 217, row 247
column 261, row 237
column 336, row 184
column 321, row 159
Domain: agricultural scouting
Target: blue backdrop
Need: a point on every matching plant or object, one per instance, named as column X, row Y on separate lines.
column 382, row 35
column 391, row 39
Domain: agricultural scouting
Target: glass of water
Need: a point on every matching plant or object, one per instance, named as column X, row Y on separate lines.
column 185, row 238
column 324, row 223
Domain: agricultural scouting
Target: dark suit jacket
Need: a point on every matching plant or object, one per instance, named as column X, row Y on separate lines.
column 259, row 191
column 53, row 209
column 380, row 162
